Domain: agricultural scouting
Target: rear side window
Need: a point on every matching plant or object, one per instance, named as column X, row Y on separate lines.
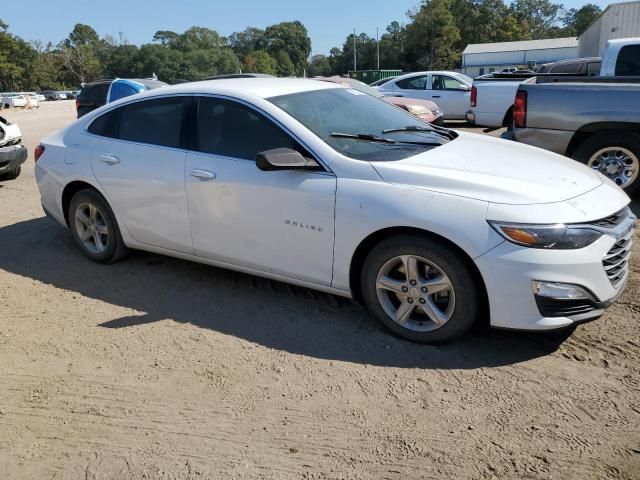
column 628, row 63
column 234, row 130
column 413, row 83
column 155, row 122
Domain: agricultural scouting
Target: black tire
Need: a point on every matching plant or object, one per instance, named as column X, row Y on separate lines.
column 627, row 140
column 461, row 277
column 114, row 247
column 11, row 174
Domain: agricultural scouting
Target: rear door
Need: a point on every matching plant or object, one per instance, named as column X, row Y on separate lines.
column 139, row 161
column 412, row 87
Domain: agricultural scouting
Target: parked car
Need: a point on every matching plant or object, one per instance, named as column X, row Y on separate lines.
column 492, row 97
column 597, row 124
column 19, row 100
column 12, row 153
column 70, row 95
column 382, row 81
column 96, row 94
column 318, row 185
column 450, row 90
column 51, row 95
column 425, row 110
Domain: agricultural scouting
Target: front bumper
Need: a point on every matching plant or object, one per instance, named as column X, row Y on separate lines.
column 510, row 270
column 11, row 157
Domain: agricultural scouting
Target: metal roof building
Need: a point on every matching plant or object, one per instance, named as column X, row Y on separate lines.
column 619, row 20
column 481, row 58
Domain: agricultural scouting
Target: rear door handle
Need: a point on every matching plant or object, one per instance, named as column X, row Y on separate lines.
column 109, row 159
column 203, row 174
column 435, row 96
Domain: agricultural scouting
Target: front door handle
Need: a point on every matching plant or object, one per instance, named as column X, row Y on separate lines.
column 109, row 159
column 435, row 96
column 203, row 174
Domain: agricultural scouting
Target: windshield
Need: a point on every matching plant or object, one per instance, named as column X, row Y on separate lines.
column 333, row 112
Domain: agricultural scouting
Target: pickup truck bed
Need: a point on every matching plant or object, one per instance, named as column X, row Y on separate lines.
column 595, row 122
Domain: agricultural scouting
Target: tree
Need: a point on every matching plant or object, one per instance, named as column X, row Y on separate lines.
column 291, row 38
column 577, row 21
column 431, row 36
column 540, row 16
column 82, row 35
column 319, row 66
column 166, row 37
column 284, row 64
column 259, row 61
column 247, row 41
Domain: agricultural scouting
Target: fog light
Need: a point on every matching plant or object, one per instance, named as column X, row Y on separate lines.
column 560, row 291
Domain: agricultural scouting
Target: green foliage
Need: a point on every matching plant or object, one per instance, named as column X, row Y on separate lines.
column 259, row 61
column 577, row 21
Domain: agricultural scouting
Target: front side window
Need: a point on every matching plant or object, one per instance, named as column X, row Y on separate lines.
column 628, row 63
column 234, row 130
column 443, row 82
column 413, row 83
column 155, row 122
column 333, row 112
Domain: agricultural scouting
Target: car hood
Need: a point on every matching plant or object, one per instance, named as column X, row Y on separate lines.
column 493, row 170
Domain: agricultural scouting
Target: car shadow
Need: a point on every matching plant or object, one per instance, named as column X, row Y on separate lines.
column 269, row 313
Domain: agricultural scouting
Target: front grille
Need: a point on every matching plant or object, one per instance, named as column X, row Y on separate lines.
column 611, row 220
column 616, row 261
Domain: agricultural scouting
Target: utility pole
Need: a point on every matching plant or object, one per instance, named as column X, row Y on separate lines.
column 355, row 62
column 378, row 45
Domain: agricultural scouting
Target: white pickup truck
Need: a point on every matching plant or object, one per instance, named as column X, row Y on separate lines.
column 492, row 97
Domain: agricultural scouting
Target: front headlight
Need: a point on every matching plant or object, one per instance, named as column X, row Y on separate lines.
column 558, row 236
column 436, row 111
column 418, row 109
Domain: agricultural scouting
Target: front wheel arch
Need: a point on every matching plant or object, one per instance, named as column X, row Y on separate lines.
column 366, row 245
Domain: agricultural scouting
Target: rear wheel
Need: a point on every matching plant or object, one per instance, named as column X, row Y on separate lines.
column 615, row 155
column 11, row 174
column 94, row 227
column 420, row 289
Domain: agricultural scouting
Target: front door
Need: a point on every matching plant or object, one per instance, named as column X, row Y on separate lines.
column 278, row 222
column 451, row 95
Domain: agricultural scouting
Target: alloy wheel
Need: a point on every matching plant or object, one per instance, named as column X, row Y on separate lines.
column 415, row 293
column 92, row 228
column 619, row 164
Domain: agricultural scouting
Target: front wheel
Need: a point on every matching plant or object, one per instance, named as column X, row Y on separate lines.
column 94, row 228
column 615, row 155
column 420, row 289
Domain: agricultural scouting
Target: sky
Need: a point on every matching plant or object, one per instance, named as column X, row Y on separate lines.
column 328, row 21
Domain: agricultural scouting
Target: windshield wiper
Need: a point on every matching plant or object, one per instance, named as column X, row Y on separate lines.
column 363, row 136
column 374, row 138
column 441, row 132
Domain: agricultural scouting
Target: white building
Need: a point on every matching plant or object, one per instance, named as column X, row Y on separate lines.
column 481, row 58
column 619, row 20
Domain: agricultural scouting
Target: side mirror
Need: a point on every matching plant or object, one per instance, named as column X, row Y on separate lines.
column 466, row 88
column 283, row 159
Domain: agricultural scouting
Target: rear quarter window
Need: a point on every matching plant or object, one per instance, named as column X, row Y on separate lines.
column 628, row 63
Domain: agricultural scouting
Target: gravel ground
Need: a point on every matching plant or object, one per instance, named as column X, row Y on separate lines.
column 163, row 369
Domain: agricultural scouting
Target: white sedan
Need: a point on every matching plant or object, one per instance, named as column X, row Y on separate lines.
column 323, row 186
column 450, row 90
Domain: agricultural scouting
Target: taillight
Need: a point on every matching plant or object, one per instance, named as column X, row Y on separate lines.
column 520, row 109
column 38, row 152
column 474, row 96
column 77, row 104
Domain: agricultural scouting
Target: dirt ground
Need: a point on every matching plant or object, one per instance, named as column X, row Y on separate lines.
column 163, row 369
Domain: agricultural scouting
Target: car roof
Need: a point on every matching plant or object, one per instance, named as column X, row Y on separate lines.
column 240, row 87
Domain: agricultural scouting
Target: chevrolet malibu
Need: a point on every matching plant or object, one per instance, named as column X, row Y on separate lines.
column 326, row 187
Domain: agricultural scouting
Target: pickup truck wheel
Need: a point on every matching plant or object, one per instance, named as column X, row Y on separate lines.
column 94, row 228
column 615, row 155
column 11, row 174
column 419, row 289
